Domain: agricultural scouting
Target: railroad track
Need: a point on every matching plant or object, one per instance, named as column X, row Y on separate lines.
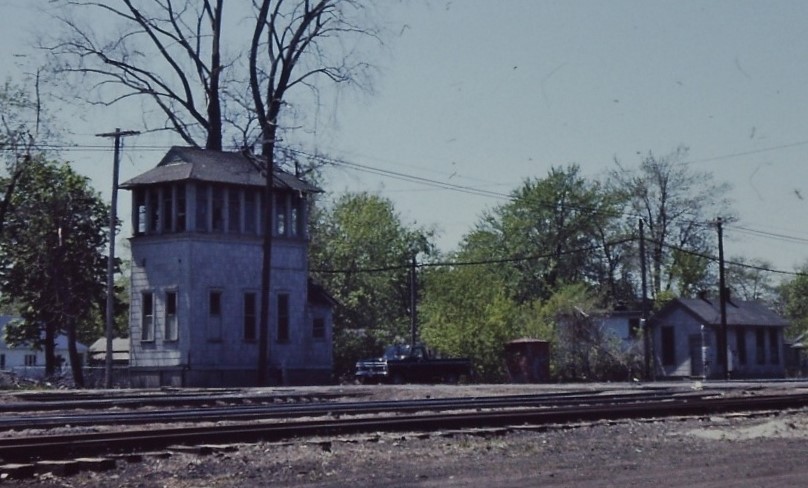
column 254, row 412
column 30, row 448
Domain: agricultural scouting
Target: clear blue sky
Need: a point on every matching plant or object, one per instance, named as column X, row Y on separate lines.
column 483, row 94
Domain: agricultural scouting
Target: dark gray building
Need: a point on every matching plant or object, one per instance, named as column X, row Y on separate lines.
column 196, row 276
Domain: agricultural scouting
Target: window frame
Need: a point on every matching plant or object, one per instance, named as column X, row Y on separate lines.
column 318, row 328
column 668, row 345
column 249, row 316
column 169, row 317
column 147, row 320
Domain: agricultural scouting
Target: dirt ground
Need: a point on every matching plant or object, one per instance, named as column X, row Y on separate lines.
column 729, row 450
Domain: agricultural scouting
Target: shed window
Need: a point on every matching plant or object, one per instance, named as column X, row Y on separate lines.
column 30, row 359
column 740, row 345
column 668, row 346
column 318, row 328
column 774, row 346
column 2, row 361
column 760, row 346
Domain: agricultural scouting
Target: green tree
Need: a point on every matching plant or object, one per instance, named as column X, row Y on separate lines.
column 556, row 230
column 53, row 264
column 794, row 302
column 360, row 251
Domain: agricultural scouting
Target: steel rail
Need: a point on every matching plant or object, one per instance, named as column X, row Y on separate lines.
column 152, row 400
column 253, row 412
column 23, row 449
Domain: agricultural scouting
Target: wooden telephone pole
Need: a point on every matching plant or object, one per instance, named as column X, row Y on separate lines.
column 113, row 217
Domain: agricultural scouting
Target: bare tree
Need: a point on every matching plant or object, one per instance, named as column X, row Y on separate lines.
column 166, row 51
column 169, row 51
column 288, row 49
column 677, row 204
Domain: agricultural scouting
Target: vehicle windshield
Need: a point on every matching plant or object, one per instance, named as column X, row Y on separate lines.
column 397, row 351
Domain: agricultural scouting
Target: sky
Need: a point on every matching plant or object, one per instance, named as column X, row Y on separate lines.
column 480, row 95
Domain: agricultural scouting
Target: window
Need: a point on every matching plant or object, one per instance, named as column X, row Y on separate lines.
column 318, row 328
column 283, row 317
column 171, row 331
column 280, row 215
column 181, row 208
column 740, row 345
column 202, row 208
column 30, row 359
column 217, row 209
column 215, row 315
column 154, row 210
column 233, row 211
column 249, row 212
column 249, row 317
column 168, row 209
column 140, row 211
column 668, row 346
column 2, row 361
column 296, row 216
column 147, row 317
column 760, row 346
column 774, row 347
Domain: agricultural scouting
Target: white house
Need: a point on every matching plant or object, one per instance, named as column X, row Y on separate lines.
column 196, row 276
column 28, row 362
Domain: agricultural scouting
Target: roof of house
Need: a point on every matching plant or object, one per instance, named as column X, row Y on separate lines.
column 192, row 164
column 739, row 312
column 60, row 343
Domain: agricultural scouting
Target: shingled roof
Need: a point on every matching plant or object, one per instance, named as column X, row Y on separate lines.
column 739, row 312
column 192, row 164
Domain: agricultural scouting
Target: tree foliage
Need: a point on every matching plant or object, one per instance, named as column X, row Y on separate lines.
column 53, row 264
column 794, row 302
column 361, row 251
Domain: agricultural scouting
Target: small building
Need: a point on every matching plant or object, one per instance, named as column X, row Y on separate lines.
column 97, row 352
column 29, row 362
column 197, row 250
column 527, row 361
column 686, row 334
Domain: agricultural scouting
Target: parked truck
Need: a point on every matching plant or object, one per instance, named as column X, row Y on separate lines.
column 403, row 363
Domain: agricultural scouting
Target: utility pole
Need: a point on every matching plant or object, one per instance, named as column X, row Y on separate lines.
column 413, row 303
column 644, row 306
column 722, row 300
column 113, row 217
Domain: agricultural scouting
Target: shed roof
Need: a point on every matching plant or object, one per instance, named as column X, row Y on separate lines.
column 739, row 312
column 193, row 164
